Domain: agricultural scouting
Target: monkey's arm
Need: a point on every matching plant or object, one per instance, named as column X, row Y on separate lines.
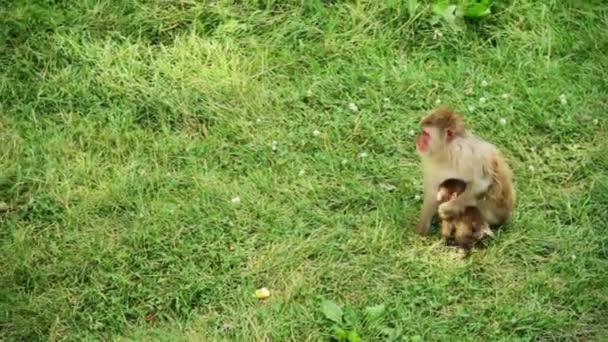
column 478, row 186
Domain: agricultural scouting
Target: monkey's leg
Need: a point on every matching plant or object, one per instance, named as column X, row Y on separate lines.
column 447, row 228
column 464, row 235
column 429, row 208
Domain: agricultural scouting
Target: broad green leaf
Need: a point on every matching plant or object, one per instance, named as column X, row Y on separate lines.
column 350, row 316
column 340, row 334
column 375, row 312
column 332, row 311
column 477, row 11
column 439, row 7
column 446, row 11
column 353, row 336
column 412, row 7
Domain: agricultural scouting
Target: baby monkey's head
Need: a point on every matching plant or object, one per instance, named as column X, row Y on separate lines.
column 450, row 189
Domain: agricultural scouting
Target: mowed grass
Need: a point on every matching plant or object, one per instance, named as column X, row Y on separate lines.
column 127, row 130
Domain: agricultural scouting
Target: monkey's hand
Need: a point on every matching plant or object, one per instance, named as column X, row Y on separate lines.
column 448, row 210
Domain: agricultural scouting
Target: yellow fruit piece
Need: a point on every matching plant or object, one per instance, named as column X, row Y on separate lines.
column 262, row 293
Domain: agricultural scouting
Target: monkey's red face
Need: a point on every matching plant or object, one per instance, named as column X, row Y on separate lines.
column 432, row 140
column 423, row 140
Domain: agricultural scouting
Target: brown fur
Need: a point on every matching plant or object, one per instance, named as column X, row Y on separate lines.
column 450, row 188
column 445, row 118
column 471, row 159
column 501, row 195
column 468, row 228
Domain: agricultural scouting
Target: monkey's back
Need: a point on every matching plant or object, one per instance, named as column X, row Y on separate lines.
column 500, row 199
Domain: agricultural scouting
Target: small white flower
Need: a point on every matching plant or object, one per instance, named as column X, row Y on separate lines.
column 503, row 121
column 301, row 173
column 386, row 104
column 482, row 100
column 596, row 121
column 362, row 155
column 468, row 91
column 274, row 146
column 437, row 102
column 235, row 200
column 386, row 99
column 258, row 120
column 437, row 34
column 316, row 133
column 563, row 100
column 344, row 161
column 412, row 132
column 504, row 96
column 471, row 108
column 388, row 187
column 417, row 197
column 573, row 257
column 484, row 84
column 309, row 93
column 531, row 168
column 353, row 107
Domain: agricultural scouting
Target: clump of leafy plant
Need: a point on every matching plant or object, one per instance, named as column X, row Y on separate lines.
column 346, row 322
column 454, row 12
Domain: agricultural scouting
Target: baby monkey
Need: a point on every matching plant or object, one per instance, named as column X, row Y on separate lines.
column 469, row 227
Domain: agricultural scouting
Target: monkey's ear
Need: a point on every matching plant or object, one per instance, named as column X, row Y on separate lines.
column 449, row 133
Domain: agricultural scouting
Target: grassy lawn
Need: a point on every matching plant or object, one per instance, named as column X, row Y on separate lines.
column 161, row 161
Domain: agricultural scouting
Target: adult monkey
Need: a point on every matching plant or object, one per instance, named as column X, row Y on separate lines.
column 449, row 150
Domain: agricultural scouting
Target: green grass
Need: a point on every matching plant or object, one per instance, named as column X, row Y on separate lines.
column 127, row 128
